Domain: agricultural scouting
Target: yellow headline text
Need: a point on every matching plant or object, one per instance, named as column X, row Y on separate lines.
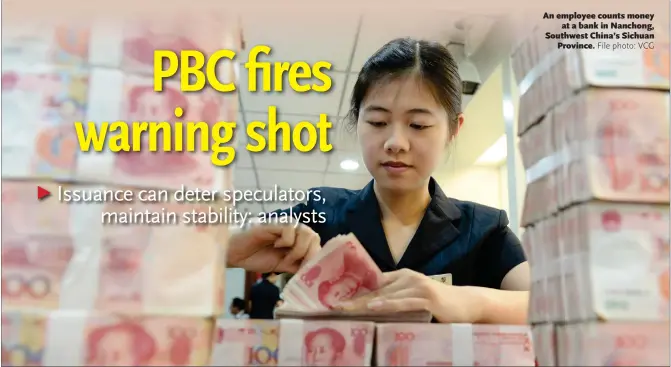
column 195, row 70
column 191, row 136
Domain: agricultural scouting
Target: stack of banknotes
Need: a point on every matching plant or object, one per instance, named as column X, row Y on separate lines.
column 311, row 333
column 293, row 342
column 101, row 71
column 75, row 290
column 594, row 140
column 342, row 270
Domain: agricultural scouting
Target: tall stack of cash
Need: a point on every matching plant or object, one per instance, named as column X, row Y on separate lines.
column 104, row 265
column 594, row 139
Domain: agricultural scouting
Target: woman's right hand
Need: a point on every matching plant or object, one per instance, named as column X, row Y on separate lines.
column 273, row 248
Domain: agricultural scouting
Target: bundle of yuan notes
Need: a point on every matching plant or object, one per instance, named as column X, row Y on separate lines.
column 341, row 271
column 88, row 281
column 293, row 342
column 594, row 140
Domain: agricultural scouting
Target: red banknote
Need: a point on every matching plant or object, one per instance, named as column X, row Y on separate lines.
column 342, row 271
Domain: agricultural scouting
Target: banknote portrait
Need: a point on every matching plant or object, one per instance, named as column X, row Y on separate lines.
column 324, row 347
column 120, row 344
column 356, row 275
column 145, row 105
column 121, row 277
column 633, row 157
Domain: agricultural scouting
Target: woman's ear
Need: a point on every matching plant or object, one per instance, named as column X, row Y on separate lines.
column 460, row 123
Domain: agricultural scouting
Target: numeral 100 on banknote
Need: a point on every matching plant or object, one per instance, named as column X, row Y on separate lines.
column 631, row 342
column 261, row 355
column 258, row 354
column 404, row 337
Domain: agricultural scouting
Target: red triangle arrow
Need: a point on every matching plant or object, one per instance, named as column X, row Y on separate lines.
column 42, row 193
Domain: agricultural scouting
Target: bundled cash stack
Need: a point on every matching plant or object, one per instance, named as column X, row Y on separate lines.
column 343, row 270
column 594, row 140
column 310, row 332
column 295, row 342
column 76, row 291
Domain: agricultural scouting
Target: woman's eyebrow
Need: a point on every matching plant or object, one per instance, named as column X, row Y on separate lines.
column 375, row 108
column 419, row 110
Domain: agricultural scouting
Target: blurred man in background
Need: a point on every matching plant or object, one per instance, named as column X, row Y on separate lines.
column 264, row 297
column 237, row 309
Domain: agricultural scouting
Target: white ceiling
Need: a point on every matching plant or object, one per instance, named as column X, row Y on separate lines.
column 345, row 40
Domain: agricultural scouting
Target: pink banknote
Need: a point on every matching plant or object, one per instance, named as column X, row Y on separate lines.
column 628, row 159
column 614, row 344
column 44, row 42
column 600, row 144
column 400, row 344
column 549, row 76
column 325, row 343
column 81, row 339
column 33, row 267
column 174, row 168
column 634, row 237
column 26, row 215
column 58, row 255
column 147, row 341
column 122, row 269
column 173, row 268
column 343, row 270
column 245, row 343
column 205, row 33
column 40, row 107
column 584, row 279
column 23, row 338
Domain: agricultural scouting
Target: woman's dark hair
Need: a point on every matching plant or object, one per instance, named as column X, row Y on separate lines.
column 430, row 61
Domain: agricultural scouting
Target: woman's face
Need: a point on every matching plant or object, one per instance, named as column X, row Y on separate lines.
column 402, row 132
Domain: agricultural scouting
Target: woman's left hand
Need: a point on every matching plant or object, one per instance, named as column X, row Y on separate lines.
column 406, row 290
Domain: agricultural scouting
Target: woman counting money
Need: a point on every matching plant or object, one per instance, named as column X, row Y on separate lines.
column 406, row 107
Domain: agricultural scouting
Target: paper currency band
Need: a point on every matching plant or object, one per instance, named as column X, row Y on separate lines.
column 539, row 69
column 550, row 163
column 580, row 150
column 463, row 342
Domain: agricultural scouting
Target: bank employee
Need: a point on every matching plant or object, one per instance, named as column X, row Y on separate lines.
column 406, row 108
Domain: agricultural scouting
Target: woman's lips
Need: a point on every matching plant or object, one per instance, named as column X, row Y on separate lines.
column 395, row 167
